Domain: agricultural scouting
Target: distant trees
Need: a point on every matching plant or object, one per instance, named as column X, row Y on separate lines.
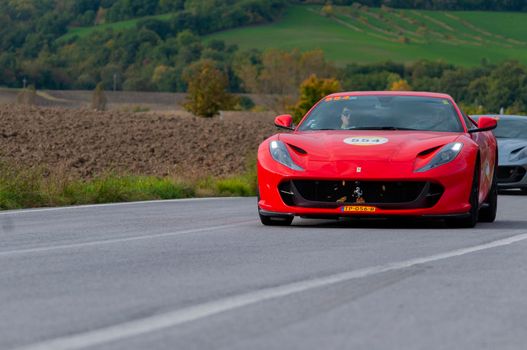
column 207, row 93
column 311, row 91
column 281, row 72
column 201, row 16
column 278, row 74
column 29, row 30
column 486, row 87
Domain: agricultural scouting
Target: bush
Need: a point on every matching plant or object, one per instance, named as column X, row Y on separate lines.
column 245, row 103
column 19, row 189
column 400, row 85
column 207, row 93
column 311, row 91
column 98, row 101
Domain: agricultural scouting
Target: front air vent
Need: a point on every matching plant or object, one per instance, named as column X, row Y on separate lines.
column 428, row 151
column 517, row 150
column 297, row 149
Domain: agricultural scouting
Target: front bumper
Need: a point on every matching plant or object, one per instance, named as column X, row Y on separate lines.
column 454, row 179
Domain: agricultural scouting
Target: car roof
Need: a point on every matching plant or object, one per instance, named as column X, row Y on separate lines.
column 392, row 93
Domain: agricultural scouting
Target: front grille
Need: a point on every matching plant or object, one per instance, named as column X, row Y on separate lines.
column 508, row 174
column 383, row 194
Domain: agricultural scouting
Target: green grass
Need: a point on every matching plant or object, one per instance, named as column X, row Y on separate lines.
column 459, row 37
column 36, row 187
column 81, row 32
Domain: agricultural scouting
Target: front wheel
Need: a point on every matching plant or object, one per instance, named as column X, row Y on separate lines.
column 488, row 212
column 472, row 217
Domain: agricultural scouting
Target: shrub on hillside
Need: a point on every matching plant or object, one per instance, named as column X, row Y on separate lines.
column 327, row 10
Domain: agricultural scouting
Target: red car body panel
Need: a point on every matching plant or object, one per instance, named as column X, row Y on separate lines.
column 325, row 156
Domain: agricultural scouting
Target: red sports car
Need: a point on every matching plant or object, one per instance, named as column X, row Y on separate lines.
column 380, row 154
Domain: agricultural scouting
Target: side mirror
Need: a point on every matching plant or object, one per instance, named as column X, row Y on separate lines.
column 284, row 121
column 485, row 124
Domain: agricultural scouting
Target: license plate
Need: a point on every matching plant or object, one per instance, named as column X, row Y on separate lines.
column 358, row 209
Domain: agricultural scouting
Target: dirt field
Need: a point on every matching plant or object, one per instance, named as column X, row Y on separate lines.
column 84, row 143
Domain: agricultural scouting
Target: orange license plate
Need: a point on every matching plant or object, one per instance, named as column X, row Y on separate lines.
column 358, row 209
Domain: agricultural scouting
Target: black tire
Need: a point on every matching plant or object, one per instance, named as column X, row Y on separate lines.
column 523, row 190
column 472, row 218
column 285, row 220
column 488, row 212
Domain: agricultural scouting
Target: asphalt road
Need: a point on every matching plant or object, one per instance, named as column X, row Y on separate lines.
column 205, row 274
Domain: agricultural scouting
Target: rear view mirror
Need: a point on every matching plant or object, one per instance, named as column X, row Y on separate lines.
column 284, row 121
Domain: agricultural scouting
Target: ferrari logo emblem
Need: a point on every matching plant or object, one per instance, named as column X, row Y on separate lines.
column 359, row 169
column 358, row 195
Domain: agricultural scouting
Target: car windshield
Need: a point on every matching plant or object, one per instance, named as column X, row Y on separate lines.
column 511, row 128
column 383, row 112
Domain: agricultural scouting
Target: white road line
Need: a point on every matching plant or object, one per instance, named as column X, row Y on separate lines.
column 29, row 211
column 120, row 240
column 193, row 313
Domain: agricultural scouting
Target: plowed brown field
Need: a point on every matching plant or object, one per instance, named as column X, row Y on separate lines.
column 85, row 143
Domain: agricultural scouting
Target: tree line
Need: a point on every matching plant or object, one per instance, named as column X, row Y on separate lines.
column 484, row 89
column 30, row 47
column 293, row 81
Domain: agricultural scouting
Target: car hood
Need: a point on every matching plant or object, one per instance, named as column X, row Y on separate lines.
column 366, row 144
column 508, row 146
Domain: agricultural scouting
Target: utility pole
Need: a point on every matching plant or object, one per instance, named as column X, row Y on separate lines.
column 24, row 81
column 114, row 81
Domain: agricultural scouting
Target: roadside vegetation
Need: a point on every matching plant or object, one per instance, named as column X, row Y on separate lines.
column 37, row 187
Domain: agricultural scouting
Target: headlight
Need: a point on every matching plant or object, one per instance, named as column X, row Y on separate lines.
column 446, row 154
column 520, row 155
column 279, row 153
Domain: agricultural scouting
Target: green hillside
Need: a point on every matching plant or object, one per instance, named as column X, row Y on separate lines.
column 370, row 35
column 82, row 32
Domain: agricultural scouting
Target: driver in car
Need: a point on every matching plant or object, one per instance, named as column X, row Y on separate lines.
column 345, row 117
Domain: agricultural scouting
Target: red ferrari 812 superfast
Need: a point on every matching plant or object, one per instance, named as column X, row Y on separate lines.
column 380, row 154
